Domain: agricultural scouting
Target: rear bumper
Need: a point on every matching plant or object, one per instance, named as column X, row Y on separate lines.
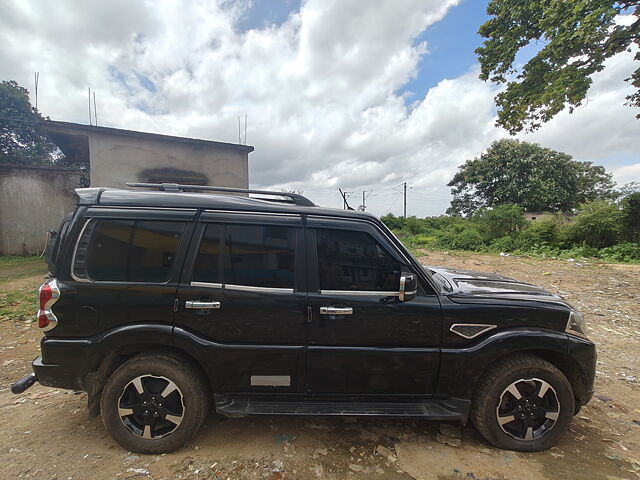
column 60, row 376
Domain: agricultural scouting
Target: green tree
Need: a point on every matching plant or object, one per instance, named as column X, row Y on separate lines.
column 577, row 36
column 20, row 140
column 631, row 216
column 529, row 176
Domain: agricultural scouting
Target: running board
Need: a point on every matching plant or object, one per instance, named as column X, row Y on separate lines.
column 452, row 409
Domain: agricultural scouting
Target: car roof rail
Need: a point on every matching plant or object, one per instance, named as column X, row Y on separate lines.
column 296, row 198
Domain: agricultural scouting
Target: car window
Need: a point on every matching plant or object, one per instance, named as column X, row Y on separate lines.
column 127, row 250
column 260, row 256
column 352, row 260
column 207, row 267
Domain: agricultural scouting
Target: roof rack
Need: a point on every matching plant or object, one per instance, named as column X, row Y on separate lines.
column 176, row 187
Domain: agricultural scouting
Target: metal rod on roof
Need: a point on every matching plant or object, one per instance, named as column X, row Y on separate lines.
column 95, row 110
column 36, row 77
column 90, row 106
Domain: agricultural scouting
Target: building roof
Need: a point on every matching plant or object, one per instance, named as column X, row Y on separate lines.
column 65, row 134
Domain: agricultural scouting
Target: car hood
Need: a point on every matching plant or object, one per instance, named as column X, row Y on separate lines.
column 468, row 283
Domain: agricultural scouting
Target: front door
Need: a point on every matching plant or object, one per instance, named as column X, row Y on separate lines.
column 362, row 339
column 243, row 299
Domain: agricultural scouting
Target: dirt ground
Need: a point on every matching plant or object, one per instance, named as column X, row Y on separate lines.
column 45, row 433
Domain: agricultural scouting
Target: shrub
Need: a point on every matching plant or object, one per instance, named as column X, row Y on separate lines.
column 599, row 224
column 622, row 252
column 465, row 238
column 540, row 232
column 499, row 221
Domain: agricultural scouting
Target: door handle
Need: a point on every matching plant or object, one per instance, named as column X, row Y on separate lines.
column 198, row 304
column 336, row 311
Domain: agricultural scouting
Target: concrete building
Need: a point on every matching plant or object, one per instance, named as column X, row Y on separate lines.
column 34, row 200
column 119, row 156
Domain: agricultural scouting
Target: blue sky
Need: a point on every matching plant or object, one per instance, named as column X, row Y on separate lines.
column 450, row 42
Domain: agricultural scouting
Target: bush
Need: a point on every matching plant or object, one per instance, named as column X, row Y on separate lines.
column 499, row 221
column 466, row 238
column 545, row 231
column 622, row 252
column 599, row 224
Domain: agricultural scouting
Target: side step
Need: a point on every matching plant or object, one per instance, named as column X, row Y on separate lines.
column 452, row 409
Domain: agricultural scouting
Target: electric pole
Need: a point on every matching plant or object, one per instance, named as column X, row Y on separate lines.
column 365, row 195
column 405, row 199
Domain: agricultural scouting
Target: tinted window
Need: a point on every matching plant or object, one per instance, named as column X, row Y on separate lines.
column 207, row 267
column 260, row 256
column 128, row 250
column 350, row 260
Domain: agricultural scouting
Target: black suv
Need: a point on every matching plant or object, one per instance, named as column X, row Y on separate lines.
column 161, row 302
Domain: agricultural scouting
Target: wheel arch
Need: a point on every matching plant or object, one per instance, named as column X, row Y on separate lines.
column 96, row 380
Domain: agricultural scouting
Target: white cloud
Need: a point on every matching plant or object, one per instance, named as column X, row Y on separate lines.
column 319, row 90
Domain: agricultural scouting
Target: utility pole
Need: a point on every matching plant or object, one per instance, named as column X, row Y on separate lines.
column 345, row 204
column 365, row 195
column 405, row 199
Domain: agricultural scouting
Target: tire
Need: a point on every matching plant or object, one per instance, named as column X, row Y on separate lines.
column 152, row 423
column 538, row 422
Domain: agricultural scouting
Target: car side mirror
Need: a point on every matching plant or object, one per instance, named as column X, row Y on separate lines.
column 408, row 287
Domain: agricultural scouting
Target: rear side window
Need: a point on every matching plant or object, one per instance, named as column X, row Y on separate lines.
column 352, row 260
column 260, row 256
column 127, row 250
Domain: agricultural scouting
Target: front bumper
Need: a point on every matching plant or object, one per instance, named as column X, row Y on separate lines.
column 583, row 351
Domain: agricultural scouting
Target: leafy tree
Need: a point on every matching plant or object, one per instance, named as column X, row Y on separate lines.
column 631, row 216
column 577, row 36
column 20, row 141
column 527, row 175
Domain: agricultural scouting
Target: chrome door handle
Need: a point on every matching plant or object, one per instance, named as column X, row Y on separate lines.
column 336, row 311
column 198, row 304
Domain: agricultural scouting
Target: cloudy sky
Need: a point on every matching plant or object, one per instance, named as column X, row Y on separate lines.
column 354, row 94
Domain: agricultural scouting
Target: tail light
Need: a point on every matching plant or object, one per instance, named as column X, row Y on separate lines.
column 47, row 296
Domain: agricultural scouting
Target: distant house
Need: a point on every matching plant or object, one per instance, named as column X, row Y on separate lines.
column 119, row 156
column 532, row 216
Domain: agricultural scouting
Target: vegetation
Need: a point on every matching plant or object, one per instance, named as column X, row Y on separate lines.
column 20, row 140
column 575, row 39
column 605, row 230
column 532, row 177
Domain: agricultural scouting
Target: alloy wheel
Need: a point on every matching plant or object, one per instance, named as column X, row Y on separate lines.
column 528, row 409
column 151, row 406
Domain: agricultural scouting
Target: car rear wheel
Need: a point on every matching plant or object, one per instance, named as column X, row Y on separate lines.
column 524, row 403
column 154, row 403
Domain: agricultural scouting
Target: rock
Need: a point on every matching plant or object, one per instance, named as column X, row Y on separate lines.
column 385, row 453
column 356, row 468
column 444, row 439
column 450, row 430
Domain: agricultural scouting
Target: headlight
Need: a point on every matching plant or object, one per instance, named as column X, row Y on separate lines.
column 576, row 325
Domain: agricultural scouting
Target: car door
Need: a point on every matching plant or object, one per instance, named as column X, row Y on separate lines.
column 362, row 338
column 241, row 305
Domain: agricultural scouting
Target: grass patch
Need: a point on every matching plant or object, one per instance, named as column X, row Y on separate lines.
column 19, row 305
column 14, row 268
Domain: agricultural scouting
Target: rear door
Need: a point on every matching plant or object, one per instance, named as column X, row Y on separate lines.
column 362, row 339
column 242, row 300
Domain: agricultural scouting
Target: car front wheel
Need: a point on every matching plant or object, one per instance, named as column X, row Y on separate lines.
column 524, row 403
column 154, row 403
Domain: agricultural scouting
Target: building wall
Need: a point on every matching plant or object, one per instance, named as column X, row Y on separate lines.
column 116, row 160
column 33, row 200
